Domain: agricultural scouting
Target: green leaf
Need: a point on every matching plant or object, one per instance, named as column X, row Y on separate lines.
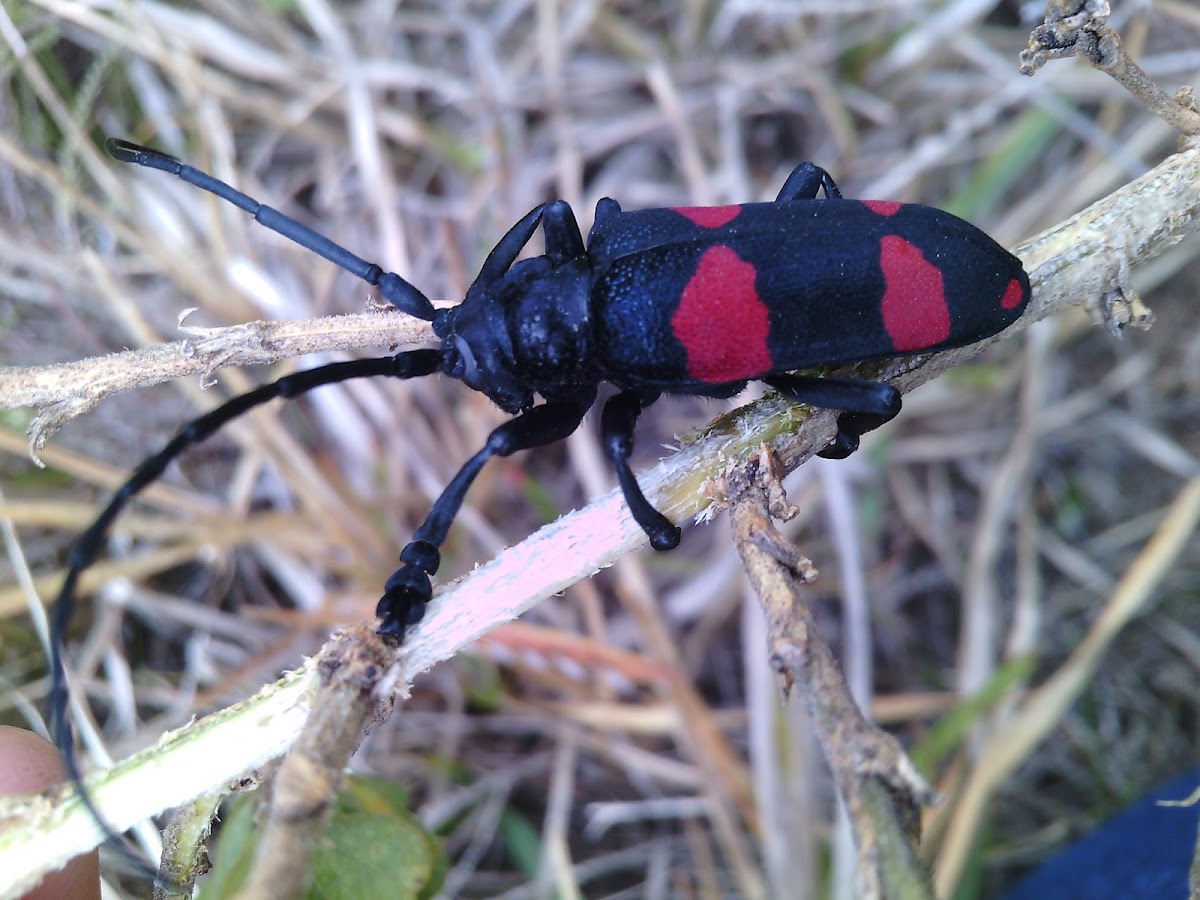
column 372, row 794
column 373, row 847
column 234, row 850
column 373, row 855
column 523, row 841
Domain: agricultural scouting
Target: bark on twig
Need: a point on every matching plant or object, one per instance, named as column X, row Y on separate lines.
column 185, row 851
column 356, row 673
column 1074, row 28
column 66, row 390
column 882, row 790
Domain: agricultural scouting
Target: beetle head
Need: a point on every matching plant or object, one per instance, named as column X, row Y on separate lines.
column 476, row 350
column 526, row 332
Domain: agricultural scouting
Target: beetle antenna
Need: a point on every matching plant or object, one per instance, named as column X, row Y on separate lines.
column 395, row 289
column 410, row 364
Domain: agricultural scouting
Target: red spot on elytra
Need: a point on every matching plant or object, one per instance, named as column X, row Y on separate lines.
column 915, row 313
column 883, row 207
column 709, row 216
column 1013, row 295
column 721, row 321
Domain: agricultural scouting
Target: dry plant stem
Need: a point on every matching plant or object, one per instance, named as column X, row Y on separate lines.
column 354, row 690
column 66, row 390
column 1080, row 29
column 1080, row 260
column 701, row 740
column 1043, row 710
column 882, row 790
column 184, row 846
column 39, row 833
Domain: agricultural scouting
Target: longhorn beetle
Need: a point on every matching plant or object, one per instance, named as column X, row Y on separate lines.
column 683, row 300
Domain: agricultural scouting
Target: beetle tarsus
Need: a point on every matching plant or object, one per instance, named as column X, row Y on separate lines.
column 804, row 183
column 404, row 599
column 843, row 445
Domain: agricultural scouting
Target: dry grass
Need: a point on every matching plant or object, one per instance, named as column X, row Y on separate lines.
column 988, row 524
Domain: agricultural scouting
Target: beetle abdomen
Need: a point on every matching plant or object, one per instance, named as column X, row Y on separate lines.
column 773, row 287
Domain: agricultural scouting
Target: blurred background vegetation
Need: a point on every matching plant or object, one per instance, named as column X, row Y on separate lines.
column 982, row 531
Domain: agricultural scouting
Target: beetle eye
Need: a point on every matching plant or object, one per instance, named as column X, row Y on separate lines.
column 465, row 366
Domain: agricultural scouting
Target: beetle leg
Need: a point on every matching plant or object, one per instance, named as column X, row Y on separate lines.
column 505, row 253
column 409, row 589
column 866, row 405
column 563, row 239
column 804, row 183
column 616, row 428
